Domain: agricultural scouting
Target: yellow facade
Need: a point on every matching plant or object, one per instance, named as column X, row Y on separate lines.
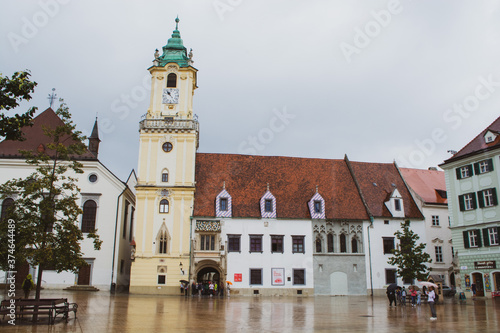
column 168, row 143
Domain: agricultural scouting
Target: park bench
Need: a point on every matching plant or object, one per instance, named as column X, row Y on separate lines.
column 51, row 307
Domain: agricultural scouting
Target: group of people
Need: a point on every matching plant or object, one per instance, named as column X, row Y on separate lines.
column 399, row 296
column 205, row 288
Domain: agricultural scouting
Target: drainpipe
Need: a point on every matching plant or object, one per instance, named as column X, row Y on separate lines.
column 111, row 289
column 190, row 248
column 370, row 254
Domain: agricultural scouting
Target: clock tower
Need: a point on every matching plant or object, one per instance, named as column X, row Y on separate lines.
column 165, row 188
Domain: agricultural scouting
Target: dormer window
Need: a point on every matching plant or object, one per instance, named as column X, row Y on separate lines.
column 223, row 204
column 172, row 80
column 489, row 137
column 268, row 205
column 317, row 206
column 395, row 204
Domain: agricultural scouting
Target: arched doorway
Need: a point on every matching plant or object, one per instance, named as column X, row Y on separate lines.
column 209, row 272
column 477, row 279
column 496, row 281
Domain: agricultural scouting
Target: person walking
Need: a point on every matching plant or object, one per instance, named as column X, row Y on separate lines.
column 28, row 285
column 419, row 297
column 431, row 296
column 473, row 289
column 414, row 296
column 403, row 296
column 228, row 288
column 391, row 295
column 211, row 288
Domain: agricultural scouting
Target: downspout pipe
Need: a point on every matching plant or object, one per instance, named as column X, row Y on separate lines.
column 370, row 254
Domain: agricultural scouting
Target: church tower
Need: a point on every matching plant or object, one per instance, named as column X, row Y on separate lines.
column 165, row 188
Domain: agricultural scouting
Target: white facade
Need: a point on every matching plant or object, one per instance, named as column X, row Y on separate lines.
column 111, row 264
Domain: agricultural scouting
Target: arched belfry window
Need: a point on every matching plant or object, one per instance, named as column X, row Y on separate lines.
column 172, row 80
column 164, row 206
column 89, row 216
column 6, row 205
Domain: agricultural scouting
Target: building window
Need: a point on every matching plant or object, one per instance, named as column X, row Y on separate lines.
column 164, row 206
column 483, row 166
column 167, row 147
column 388, row 244
column 467, row 201
column 464, row 172
column 317, row 206
column 390, row 276
column 490, row 236
column 255, row 243
column 7, row 204
column 386, row 221
column 164, row 177
column 298, row 244
column 343, row 243
column 233, row 243
column 162, row 275
column 354, row 245
column 318, row 245
column 223, row 204
column 131, row 224
column 299, row 276
column 92, row 178
column 172, row 80
column 435, row 220
column 256, row 276
column 487, row 198
column 439, row 253
column 125, row 219
column 472, row 238
column 162, row 240
column 207, row 242
column 89, row 216
column 277, row 244
column 329, row 240
column 268, row 205
column 397, row 205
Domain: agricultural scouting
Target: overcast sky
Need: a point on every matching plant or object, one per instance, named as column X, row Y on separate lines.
column 376, row 80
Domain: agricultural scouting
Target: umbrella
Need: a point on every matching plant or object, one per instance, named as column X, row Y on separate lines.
column 429, row 284
column 229, row 282
column 392, row 286
column 184, row 281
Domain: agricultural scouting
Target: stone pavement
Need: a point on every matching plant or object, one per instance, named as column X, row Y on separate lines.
column 100, row 312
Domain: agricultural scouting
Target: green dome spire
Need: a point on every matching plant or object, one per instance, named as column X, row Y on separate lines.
column 174, row 51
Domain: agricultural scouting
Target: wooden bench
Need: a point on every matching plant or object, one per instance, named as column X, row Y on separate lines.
column 51, row 307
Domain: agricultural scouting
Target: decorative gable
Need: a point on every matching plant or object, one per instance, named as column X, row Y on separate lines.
column 223, row 204
column 268, row 205
column 395, row 204
column 490, row 136
column 317, row 206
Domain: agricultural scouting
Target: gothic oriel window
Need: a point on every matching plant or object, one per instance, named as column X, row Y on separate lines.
column 89, row 216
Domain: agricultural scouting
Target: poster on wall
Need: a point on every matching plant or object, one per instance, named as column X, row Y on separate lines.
column 237, row 277
column 278, row 276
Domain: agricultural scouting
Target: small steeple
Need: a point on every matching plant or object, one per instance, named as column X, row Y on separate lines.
column 175, row 51
column 94, row 140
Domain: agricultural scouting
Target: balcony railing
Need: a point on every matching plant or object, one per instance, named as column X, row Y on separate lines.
column 169, row 123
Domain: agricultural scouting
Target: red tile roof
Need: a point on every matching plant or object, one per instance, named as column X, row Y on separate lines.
column 429, row 185
column 478, row 144
column 35, row 137
column 377, row 182
column 291, row 180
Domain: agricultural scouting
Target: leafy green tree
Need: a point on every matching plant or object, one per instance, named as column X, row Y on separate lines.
column 45, row 210
column 12, row 92
column 410, row 257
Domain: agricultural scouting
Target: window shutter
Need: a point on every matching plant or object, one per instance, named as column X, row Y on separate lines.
column 495, row 198
column 480, row 198
column 466, row 239
column 476, row 168
column 486, row 237
column 461, row 202
column 459, row 173
column 471, row 172
column 474, row 201
column 478, row 237
column 490, row 164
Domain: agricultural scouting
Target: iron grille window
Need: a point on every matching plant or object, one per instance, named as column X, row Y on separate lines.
column 256, row 276
column 299, row 276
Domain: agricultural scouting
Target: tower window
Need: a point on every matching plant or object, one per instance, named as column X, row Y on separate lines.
column 164, row 206
column 167, row 147
column 162, row 240
column 164, row 177
column 172, row 80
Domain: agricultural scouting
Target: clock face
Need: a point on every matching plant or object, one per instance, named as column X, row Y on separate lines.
column 170, row 96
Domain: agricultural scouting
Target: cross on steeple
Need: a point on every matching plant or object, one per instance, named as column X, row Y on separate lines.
column 52, row 97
